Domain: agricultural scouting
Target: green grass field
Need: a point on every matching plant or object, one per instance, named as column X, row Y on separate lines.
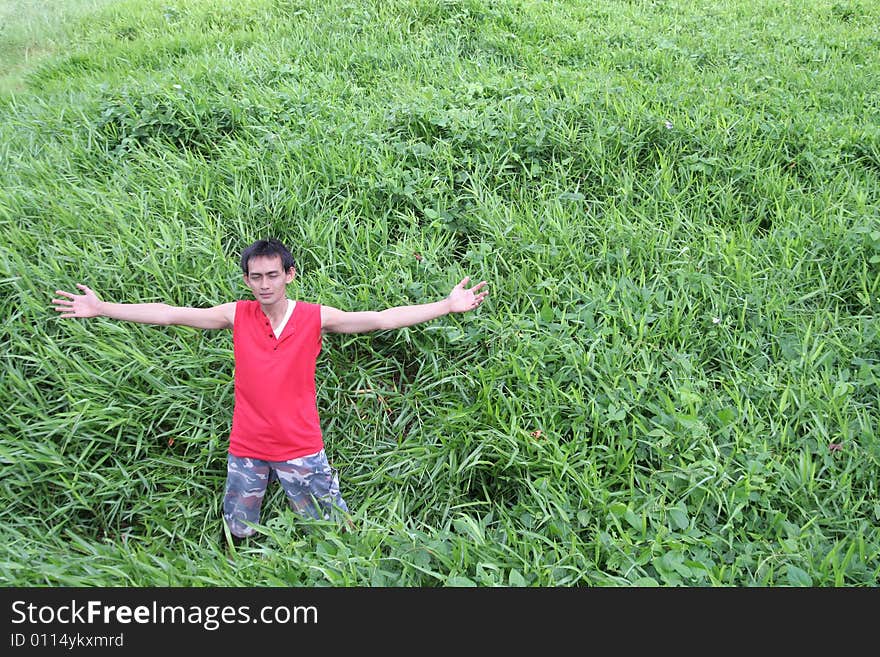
column 673, row 382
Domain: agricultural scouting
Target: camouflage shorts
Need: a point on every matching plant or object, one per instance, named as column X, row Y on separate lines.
column 310, row 483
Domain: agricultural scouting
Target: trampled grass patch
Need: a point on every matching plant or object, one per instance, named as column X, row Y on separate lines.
column 675, row 378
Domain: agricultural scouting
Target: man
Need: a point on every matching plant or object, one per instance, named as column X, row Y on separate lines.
column 275, row 432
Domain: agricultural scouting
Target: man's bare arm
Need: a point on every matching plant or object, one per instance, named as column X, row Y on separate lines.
column 460, row 300
column 89, row 305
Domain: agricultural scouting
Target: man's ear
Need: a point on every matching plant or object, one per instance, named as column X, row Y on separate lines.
column 291, row 274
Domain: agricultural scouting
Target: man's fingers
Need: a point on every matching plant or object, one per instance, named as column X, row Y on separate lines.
column 63, row 293
column 479, row 285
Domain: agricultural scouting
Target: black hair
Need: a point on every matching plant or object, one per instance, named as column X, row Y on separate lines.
column 268, row 247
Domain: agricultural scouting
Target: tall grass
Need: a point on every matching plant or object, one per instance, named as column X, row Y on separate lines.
column 674, row 381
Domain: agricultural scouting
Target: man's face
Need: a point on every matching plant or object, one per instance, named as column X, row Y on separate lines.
column 267, row 280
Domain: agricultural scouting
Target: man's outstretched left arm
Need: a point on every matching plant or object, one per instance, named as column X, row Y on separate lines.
column 461, row 299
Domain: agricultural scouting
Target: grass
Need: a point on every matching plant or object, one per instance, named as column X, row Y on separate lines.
column 31, row 32
column 674, row 381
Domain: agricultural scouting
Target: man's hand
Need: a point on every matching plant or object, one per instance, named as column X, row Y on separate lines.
column 462, row 299
column 77, row 305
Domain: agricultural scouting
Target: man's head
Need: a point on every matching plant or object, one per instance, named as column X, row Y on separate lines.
column 268, row 268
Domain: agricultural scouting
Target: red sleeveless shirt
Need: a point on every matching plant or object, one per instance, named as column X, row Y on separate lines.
column 275, row 417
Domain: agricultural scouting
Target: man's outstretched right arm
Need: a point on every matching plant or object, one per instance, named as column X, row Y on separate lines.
column 89, row 305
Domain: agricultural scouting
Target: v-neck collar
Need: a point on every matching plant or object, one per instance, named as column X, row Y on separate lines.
column 287, row 315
